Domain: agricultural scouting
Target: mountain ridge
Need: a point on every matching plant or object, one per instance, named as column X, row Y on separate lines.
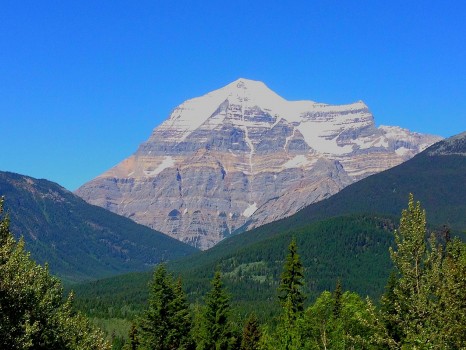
column 77, row 240
column 243, row 151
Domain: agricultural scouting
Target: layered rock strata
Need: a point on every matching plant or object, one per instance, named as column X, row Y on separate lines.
column 242, row 155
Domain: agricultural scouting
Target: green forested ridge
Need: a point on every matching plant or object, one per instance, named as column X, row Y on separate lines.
column 251, row 271
column 78, row 240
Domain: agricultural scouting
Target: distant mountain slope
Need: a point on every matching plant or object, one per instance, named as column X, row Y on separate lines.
column 436, row 177
column 79, row 240
column 353, row 248
column 243, row 152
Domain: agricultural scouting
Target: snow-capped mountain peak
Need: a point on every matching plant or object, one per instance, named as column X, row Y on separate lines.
column 243, row 154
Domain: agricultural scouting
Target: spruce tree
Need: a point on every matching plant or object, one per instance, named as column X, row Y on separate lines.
column 182, row 320
column 337, row 300
column 292, row 298
column 292, row 280
column 388, row 308
column 251, row 334
column 216, row 333
column 166, row 324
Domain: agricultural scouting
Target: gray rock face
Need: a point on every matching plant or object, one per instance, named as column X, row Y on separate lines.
column 242, row 154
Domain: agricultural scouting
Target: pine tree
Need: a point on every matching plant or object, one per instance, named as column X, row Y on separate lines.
column 251, row 334
column 216, row 333
column 182, row 320
column 337, row 300
column 32, row 313
column 166, row 324
column 133, row 339
column 388, row 308
column 292, row 298
column 292, row 280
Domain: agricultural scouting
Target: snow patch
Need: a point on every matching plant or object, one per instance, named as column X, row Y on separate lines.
column 296, row 162
column 403, row 151
column 250, row 210
column 167, row 162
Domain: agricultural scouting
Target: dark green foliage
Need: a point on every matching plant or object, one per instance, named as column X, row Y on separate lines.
column 337, row 293
column 251, row 334
column 388, row 308
column 423, row 306
column 166, row 325
column 452, row 296
column 32, row 312
column 251, row 269
column 78, row 240
column 292, row 281
column 133, row 339
column 215, row 330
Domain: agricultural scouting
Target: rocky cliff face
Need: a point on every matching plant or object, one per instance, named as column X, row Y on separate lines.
column 242, row 155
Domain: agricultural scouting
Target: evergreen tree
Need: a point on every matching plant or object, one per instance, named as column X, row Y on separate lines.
column 166, row 324
column 182, row 319
column 251, row 334
column 133, row 339
column 388, row 308
column 216, row 333
column 292, row 298
column 337, row 300
column 32, row 313
column 292, row 281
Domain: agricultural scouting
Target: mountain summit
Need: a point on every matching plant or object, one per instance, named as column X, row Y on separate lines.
column 243, row 154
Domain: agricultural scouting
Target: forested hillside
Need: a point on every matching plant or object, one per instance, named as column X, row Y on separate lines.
column 80, row 241
column 352, row 248
column 33, row 312
column 422, row 305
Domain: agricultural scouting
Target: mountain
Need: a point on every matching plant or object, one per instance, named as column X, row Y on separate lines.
column 80, row 241
column 346, row 236
column 243, row 153
column 436, row 177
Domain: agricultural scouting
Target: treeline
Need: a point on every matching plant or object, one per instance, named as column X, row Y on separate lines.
column 423, row 306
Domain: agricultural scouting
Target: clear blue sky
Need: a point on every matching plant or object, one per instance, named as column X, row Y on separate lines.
column 83, row 83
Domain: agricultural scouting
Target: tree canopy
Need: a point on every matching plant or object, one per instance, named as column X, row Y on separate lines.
column 32, row 312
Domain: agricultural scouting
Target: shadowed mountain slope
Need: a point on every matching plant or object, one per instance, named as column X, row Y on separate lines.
column 80, row 241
